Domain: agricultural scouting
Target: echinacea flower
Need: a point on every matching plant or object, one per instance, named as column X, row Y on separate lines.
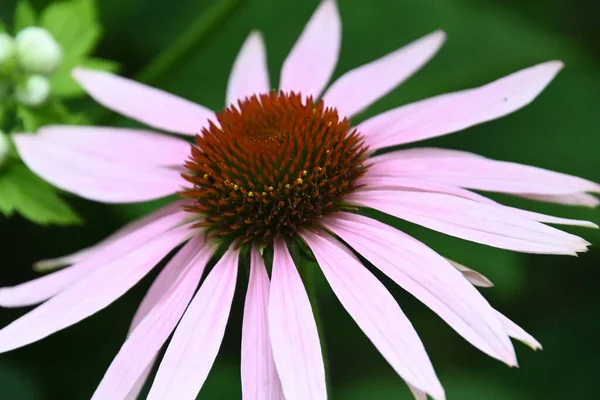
column 287, row 170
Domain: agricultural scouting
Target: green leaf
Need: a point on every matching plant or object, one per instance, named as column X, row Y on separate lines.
column 23, row 192
column 53, row 112
column 74, row 24
column 101, row 64
column 65, row 86
column 3, row 27
column 25, row 16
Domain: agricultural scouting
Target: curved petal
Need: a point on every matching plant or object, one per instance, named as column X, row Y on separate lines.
column 359, row 88
column 91, row 294
column 476, row 172
column 259, row 375
column 147, row 338
column 375, row 311
column 515, row 331
column 375, row 183
column 153, row 107
column 126, row 146
column 93, row 177
column 487, row 224
column 428, row 277
column 310, row 64
column 418, row 394
column 157, row 290
column 87, row 252
column 250, row 74
column 293, row 332
column 574, row 199
column 197, row 339
column 125, row 241
column 476, row 278
column 456, row 111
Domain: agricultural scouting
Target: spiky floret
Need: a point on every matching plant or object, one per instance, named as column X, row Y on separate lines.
column 273, row 164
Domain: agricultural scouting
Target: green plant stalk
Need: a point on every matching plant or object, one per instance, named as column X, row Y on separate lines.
column 187, row 42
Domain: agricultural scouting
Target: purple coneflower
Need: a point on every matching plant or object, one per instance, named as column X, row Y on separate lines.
column 281, row 171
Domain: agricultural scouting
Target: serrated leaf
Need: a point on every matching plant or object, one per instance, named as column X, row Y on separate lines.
column 25, row 16
column 23, row 192
column 65, row 86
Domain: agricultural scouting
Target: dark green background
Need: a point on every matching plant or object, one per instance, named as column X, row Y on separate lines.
column 555, row 298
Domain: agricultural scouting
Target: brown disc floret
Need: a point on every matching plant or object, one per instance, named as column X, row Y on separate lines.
column 273, row 164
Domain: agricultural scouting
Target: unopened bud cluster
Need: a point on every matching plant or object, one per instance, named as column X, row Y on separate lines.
column 26, row 63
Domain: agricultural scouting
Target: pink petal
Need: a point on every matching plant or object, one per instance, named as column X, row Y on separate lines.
column 126, row 146
column 153, row 107
column 359, row 88
column 515, row 331
column 375, row 311
column 197, row 339
column 95, row 177
column 250, row 74
column 91, row 294
column 259, row 376
column 116, row 246
column 159, row 287
column 574, row 199
column 512, row 329
column 453, row 112
column 371, row 181
column 310, row 64
column 419, row 395
column 475, row 172
column 147, row 338
column 476, row 278
column 293, row 332
column 487, row 224
column 428, row 277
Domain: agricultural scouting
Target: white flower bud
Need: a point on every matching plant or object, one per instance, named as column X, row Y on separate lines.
column 34, row 91
column 7, row 49
column 4, row 148
column 37, row 51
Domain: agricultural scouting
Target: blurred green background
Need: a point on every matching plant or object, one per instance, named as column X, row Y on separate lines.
column 554, row 298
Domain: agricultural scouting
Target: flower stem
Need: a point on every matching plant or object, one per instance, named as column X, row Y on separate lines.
column 179, row 50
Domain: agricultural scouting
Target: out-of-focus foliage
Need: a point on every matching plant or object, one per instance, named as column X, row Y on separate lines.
column 555, row 298
column 73, row 27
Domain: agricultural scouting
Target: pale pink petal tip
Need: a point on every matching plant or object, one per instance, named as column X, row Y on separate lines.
column 312, row 60
column 369, row 82
column 453, row 112
column 375, row 311
column 151, row 106
column 418, row 394
column 476, row 278
column 419, row 270
column 250, row 74
column 516, row 332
